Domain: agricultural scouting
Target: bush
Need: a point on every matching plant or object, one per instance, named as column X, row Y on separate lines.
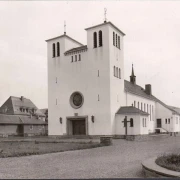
column 170, row 161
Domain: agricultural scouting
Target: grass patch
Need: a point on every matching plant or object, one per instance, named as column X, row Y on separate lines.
column 169, row 161
column 16, row 149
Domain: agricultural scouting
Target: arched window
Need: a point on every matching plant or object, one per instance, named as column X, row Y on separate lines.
column 100, row 38
column 75, row 57
column 138, row 105
column 134, row 103
column 114, row 71
column 116, row 40
column 113, row 38
column 71, row 58
column 54, row 50
column 119, row 42
column 58, row 49
column 79, row 57
column 95, row 39
column 141, row 106
column 131, row 122
column 119, row 73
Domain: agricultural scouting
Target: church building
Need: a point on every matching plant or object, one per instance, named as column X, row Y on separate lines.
column 87, row 92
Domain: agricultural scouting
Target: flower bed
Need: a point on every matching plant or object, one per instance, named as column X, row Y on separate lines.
column 169, row 161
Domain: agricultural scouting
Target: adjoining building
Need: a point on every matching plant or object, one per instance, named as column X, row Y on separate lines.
column 87, row 92
column 19, row 116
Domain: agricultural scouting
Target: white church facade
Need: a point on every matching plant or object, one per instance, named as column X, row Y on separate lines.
column 87, row 92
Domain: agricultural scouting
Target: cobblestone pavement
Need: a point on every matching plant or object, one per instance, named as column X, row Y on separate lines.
column 123, row 159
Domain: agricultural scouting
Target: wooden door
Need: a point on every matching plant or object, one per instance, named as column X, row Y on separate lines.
column 158, row 123
column 79, row 127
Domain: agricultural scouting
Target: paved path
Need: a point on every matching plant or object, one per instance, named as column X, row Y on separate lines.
column 123, row 159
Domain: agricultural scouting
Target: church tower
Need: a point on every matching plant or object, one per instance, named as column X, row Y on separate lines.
column 132, row 77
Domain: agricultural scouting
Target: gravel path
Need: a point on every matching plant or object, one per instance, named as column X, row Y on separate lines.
column 123, row 159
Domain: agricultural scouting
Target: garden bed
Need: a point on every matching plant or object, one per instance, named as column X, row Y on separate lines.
column 15, row 149
column 169, row 161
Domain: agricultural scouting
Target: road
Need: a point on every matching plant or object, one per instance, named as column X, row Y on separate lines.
column 121, row 160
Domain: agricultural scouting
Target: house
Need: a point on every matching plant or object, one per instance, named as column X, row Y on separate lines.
column 19, row 116
column 87, row 92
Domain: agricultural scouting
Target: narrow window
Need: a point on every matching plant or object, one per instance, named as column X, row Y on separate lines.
column 134, row 103
column 114, row 71
column 116, row 40
column 141, row 106
column 144, row 107
column 79, row 57
column 169, row 121
column 113, row 38
column 166, row 121
column 98, row 97
column 119, row 42
column 147, row 108
column 58, row 49
column 95, row 39
column 56, row 79
column 119, row 73
column 71, row 58
column 75, row 57
column 100, row 38
column 131, row 122
column 138, row 105
column 145, row 122
column 54, row 50
column 98, row 73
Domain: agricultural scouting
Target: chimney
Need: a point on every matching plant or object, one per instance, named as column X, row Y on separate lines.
column 148, row 89
column 22, row 98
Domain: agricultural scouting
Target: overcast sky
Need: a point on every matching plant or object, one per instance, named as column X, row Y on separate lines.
column 152, row 42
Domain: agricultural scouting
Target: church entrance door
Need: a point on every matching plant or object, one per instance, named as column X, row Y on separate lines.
column 79, row 127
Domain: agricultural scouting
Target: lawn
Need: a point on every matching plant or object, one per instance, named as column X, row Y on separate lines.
column 15, row 149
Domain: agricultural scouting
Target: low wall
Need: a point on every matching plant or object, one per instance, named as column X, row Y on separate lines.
column 152, row 170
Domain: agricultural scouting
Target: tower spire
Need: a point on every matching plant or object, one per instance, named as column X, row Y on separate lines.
column 64, row 27
column 132, row 77
column 105, row 19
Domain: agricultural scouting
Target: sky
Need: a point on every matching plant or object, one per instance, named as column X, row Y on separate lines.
column 152, row 42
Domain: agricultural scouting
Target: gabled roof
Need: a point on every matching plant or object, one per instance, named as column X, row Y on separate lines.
column 131, row 110
column 64, row 35
column 19, row 119
column 13, row 105
column 102, row 24
column 138, row 90
column 76, row 49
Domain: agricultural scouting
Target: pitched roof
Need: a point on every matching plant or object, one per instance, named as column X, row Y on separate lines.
column 138, row 90
column 64, row 35
column 76, row 49
column 105, row 24
column 19, row 119
column 13, row 105
column 131, row 110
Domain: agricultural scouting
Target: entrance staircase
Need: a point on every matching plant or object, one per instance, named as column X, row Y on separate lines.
column 161, row 130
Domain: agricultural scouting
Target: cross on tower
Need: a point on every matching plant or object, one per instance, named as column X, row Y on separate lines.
column 105, row 10
column 64, row 27
column 125, row 124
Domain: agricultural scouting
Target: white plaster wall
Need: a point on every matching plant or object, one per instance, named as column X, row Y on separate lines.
column 120, row 129
column 116, row 57
column 144, row 129
column 164, row 113
column 81, row 76
column 130, row 98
